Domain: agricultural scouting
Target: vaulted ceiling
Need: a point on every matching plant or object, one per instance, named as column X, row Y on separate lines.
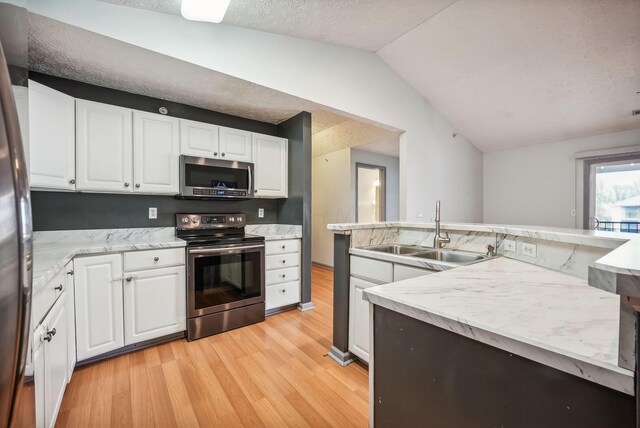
column 506, row 73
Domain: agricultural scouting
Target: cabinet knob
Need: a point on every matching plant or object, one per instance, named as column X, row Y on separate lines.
column 222, row 154
column 255, row 190
column 49, row 335
column 126, row 184
column 59, row 287
column 137, row 185
column 284, row 290
column 72, row 181
column 70, row 273
column 284, row 275
column 156, row 259
column 283, row 247
column 215, row 153
column 284, row 261
column 128, row 279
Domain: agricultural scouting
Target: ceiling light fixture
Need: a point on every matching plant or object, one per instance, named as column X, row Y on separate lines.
column 204, row 10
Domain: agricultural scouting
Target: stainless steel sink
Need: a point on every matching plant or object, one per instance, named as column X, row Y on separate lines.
column 404, row 250
column 450, row 256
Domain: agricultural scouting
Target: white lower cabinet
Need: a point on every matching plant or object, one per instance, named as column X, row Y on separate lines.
column 71, row 320
column 359, row 318
column 50, row 364
column 154, row 303
column 99, row 307
column 282, row 273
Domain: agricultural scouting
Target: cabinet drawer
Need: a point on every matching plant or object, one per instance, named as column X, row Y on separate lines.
column 138, row 260
column 44, row 299
column 278, row 276
column 282, row 295
column 282, row 261
column 372, row 269
column 282, row 247
column 401, row 272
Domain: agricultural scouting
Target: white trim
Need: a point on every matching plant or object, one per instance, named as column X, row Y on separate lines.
column 608, row 152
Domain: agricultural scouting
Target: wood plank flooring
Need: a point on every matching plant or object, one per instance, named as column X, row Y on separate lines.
column 272, row 374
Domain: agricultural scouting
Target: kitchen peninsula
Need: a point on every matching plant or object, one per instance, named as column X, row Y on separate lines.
column 520, row 339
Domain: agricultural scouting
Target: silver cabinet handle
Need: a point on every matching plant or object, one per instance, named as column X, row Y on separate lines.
column 126, row 184
column 59, row 287
column 137, row 185
column 128, row 279
column 156, row 259
column 70, row 273
column 49, row 335
column 72, row 181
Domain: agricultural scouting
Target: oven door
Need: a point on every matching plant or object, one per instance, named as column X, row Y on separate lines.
column 204, row 178
column 223, row 278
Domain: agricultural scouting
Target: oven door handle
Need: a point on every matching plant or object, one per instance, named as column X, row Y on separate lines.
column 227, row 250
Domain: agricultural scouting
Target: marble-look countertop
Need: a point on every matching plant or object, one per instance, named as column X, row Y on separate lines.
column 624, row 257
column 405, row 260
column 546, row 316
column 52, row 250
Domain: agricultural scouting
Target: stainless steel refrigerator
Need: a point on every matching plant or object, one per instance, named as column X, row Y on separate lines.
column 16, row 398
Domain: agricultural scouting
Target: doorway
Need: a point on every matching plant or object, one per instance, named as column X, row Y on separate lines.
column 370, row 193
column 612, row 193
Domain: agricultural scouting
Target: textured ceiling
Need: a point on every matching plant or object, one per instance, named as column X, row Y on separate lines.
column 363, row 24
column 66, row 51
column 351, row 133
column 513, row 73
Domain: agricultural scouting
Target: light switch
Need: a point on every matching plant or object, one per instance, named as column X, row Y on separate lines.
column 153, row 212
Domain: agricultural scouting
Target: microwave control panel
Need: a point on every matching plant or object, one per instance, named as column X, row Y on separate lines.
column 219, row 192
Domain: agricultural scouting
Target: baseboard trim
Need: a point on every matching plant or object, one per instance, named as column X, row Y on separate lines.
column 322, row 265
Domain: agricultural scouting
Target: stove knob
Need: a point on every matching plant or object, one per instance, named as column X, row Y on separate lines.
column 194, row 220
column 185, row 220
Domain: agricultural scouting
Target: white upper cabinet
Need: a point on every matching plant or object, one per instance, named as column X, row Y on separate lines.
column 21, row 95
column 156, row 147
column 271, row 166
column 104, row 147
column 51, row 138
column 198, row 139
column 235, row 145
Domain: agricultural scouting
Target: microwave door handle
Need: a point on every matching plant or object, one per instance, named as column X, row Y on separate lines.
column 250, row 189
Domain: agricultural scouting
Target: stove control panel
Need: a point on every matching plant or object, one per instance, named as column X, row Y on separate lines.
column 209, row 221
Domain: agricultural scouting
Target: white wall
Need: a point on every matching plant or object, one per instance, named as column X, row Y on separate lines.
column 331, row 201
column 541, row 184
column 391, row 163
column 434, row 165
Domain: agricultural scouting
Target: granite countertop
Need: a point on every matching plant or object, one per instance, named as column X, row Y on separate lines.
column 545, row 316
column 52, row 250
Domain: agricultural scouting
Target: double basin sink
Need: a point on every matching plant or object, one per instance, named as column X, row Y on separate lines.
column 449, row 256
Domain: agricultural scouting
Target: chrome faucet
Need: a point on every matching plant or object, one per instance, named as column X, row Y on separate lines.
column 439, row 241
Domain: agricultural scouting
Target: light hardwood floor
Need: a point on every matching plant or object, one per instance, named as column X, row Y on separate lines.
column 273, row 374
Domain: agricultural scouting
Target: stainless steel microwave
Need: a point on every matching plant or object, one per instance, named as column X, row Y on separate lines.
column 204, row 178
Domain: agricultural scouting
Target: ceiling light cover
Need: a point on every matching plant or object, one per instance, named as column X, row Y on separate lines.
column 204, row 10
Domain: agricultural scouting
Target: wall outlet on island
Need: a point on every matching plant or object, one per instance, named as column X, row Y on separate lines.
column 509, row 245
column 530, row 250
column 153, row 212
column 260, row 212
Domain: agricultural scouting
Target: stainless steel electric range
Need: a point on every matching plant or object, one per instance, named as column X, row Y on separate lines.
column 225, row 273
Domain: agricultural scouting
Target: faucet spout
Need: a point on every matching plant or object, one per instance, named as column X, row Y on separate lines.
column 439, row 241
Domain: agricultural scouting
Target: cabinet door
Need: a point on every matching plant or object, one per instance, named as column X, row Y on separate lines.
column 271, row 166
column 55, row 359
column 21, row 95
column 235, row 145
column 99, row 308
column 51, row 138
column 37, row 363
column 198, row 139
column 155, row 153
column 71, row 320
column 104, row 147
column 154, row 303
column 359, row 319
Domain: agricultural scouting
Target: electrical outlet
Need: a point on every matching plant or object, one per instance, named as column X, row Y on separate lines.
column 573, row 212
column 530, row 250
column 509, row 245
column 153, row 212
column 260, row 212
